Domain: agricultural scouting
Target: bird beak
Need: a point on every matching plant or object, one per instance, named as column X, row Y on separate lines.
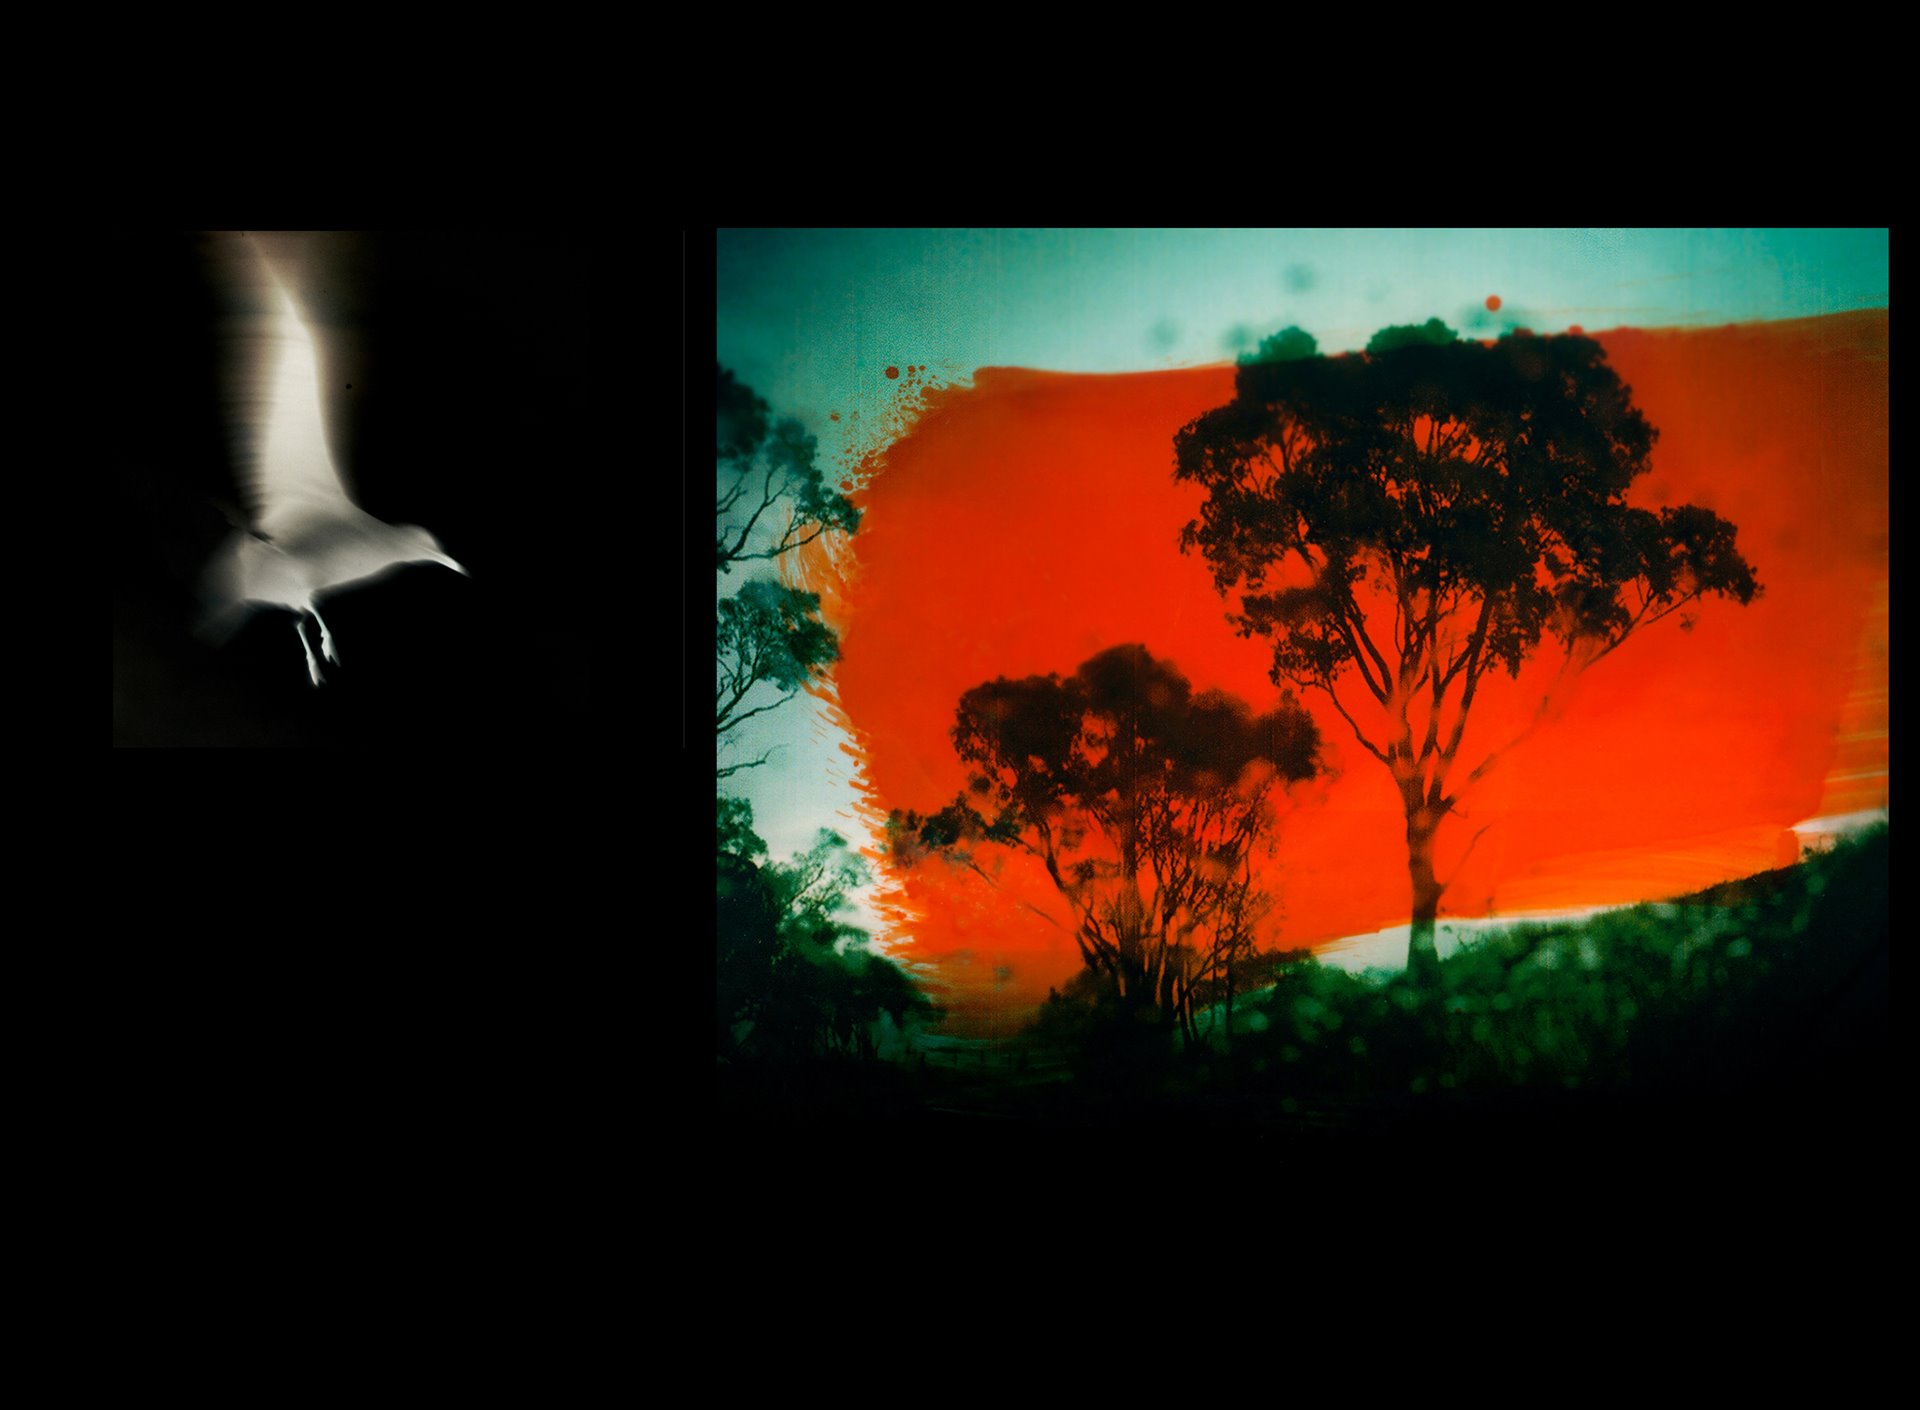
column 442, row 558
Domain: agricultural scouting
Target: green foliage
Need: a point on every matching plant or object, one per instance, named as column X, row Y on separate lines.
column 1404, row 524
column 1288, row 345
column 795, row 980
column 1143, row 800
column 1109, row 1043
column 1462, row 474
column 765, row 466
column 1124, row 730
column 768, row 634
column 1432, row 334
column 735, row 825
column 1712, row 993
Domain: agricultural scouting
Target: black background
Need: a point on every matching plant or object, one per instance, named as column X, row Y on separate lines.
column 366, row 1006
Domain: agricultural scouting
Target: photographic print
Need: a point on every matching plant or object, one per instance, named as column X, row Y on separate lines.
column 1333, row 683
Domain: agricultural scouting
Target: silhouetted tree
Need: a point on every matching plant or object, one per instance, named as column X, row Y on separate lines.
column 1420, row 515
column 765, row 467
column 1143, row 802
column 766, row 635
column 771, row 498
column 747, row 922
column 794, row 980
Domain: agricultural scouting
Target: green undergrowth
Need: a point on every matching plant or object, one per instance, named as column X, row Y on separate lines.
column 1723, row 990
column 1765, row 996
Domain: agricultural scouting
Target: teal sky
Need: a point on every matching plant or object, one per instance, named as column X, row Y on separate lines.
column 811, row 319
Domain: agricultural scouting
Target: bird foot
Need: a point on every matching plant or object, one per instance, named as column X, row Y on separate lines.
column 326, row 645
column 313, row 666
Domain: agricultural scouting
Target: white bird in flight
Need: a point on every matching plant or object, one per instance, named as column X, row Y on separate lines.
column 308, row 537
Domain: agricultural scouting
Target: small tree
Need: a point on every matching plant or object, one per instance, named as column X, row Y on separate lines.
column 1142, row 800
column 1421, row 516
column 794, row 980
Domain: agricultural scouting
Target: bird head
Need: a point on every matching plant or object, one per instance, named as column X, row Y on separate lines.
column 419, row 546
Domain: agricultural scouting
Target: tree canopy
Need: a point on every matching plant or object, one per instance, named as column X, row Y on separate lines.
column 767, row 634
column 1142, row 799
column 1423, row 515
column 793, row 979
column 765, row 467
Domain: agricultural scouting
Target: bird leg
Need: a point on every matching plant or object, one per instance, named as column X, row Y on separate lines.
column 326, row 637
column 313, row 666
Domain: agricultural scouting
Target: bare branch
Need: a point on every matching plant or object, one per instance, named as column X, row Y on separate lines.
column 726, row 724
column 787, row 543
column 1379, row 691
column 1641, row 620
column 732, row 769
column 768, row 495
column 1460, row 865
column 1485, row 765
column 738, row 683
column 978, row 871
column 1471, row 650
column 1366, row 743
column 1358, row 623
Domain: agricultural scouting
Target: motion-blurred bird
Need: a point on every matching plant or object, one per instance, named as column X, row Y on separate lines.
column 307, row 537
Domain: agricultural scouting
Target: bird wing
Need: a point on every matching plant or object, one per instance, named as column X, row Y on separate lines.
column 273, row 392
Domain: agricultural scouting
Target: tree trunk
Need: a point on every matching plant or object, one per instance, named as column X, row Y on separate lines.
column 1226, row 1031
column 1183, row 1004
column 1423, row 957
